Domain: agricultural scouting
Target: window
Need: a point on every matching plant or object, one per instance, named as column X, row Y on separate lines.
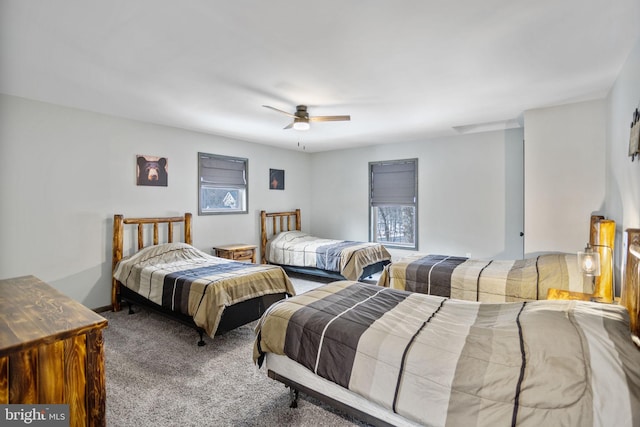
column 393, row 203
column 222, row 185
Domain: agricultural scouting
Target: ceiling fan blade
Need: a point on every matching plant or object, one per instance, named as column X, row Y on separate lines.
column 279, row 111
column 329, row 118
column 289, row 126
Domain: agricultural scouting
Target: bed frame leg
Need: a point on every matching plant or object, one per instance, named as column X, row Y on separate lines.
column 293, row 397
column 201, row 342
column 130, row 307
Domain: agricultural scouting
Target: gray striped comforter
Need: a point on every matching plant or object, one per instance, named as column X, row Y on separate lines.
column 349, row 258
column 184, row 279
column 440, row 361
column 485, row 280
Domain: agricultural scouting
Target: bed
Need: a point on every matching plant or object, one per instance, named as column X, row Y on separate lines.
column 283, row 243
column 212, row 294
column 392, row 357
column 505, row 280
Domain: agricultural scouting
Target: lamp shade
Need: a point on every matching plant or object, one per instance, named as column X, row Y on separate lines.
column 589, row 262
column 300, row 124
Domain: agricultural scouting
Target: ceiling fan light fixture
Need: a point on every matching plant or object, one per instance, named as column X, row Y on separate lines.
column 300, row 124
column 301, row 118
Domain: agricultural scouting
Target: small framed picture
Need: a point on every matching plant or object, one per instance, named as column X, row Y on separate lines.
column 276, row 179
column 634, row 137
column 152, row 170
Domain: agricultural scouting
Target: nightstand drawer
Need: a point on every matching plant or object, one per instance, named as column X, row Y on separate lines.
column 247, row 254
column 237, row 252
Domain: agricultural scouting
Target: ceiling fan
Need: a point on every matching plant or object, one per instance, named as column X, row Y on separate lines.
column 301, row 118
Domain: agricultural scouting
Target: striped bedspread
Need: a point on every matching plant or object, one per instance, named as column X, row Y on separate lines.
column 348, row 258
column 439, row 361
column 485, row 280
column 184, row 279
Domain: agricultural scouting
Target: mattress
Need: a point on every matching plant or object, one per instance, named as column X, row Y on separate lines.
column 485, row 280
column 439, row 361
column 348, row 258
column 183, row 279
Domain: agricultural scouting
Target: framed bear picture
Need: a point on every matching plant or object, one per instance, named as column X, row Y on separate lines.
column 152, row 170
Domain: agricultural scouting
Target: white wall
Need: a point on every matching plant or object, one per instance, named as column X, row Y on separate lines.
column 564, row 175
column 470, row 193
column 623, row 175
column 65, row 172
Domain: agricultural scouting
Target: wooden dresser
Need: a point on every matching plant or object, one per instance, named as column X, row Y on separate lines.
column 51, row 351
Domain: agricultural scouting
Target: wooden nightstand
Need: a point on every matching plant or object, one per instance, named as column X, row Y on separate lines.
column 237, row 252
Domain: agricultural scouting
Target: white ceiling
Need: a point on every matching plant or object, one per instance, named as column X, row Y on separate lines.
column 404, row 71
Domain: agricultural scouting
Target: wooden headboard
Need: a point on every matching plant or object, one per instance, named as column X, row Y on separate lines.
column 602, row 234
column 630, row 296
column 120, row 221
column 280, row 221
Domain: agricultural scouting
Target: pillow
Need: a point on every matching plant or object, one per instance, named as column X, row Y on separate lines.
column 163, row 254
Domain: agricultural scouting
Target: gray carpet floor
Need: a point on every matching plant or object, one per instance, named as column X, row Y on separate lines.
column 156, row 375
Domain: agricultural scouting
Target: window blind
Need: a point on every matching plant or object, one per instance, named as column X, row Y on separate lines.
column 223, row 171
column 393, row 183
